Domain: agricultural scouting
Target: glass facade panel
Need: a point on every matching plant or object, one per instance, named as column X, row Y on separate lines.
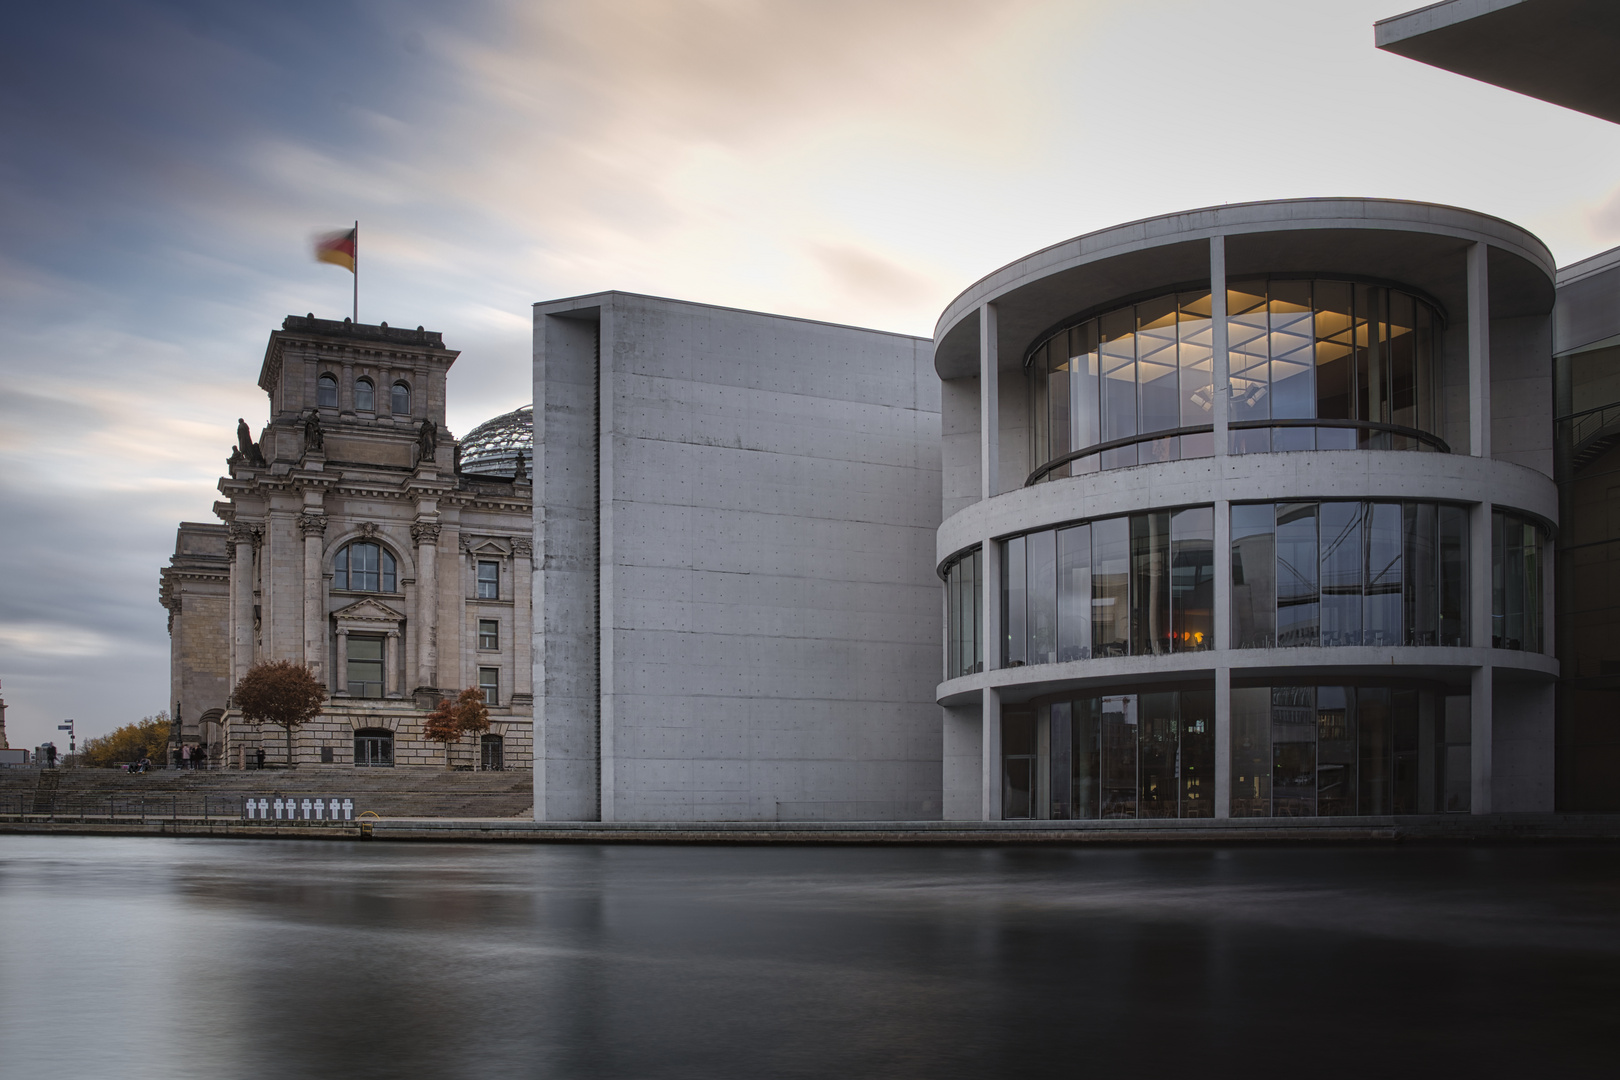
column 1014, row 614
column 1086, row 746
column 1119, row 756
column 1298, row 604
column 364, row 568
column 1341, row 566
column 1385, row 575
column 1158, row 380
column 1299, row 349
column 1293, row 751
column 1516, row 583
column 1110, row 587
column 1251, row 751
column 1149, row 755
column 1150, row 584
column 1159, row 755
column 1373, row 734
column 1192, row 579
column 964, row 619
column 1335, row 751
column 1074, row 593
column 1040, row 556
column 1018, row 760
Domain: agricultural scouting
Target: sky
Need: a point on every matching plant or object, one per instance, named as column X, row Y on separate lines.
column 163, row 167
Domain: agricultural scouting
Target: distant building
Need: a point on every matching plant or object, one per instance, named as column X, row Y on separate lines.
column 360, row 538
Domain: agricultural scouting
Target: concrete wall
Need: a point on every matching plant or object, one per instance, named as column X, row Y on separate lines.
column 1521, row 392
column 959, row 444
column 769, row 489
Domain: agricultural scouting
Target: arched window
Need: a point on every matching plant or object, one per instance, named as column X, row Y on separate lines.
column 401, row 404
column 374, row 748
column 364, row 567
column 326, row 392
column 492, row 753
column 365, row 395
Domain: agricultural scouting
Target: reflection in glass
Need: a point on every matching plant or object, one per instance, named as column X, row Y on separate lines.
column 1040, row 596
column 1384, row 574
column 1298, row 348
column 1015, row 635
column 1074, row 593
column 1373, row 735
column 1421, row 591
column 1516, row 568
column 1341, row 562
column 1453, row 576
column 1251, row 751
column 964, row 618
column 1254, row 576
column 1086, row 746
column 1297, row 601
column 1192, row 579
column 1119, row 756
column 1293, row 751
column 1110, row 586
column 1150, row 584
column 1059, row 740
column 1197, row 723
column 1335, row 751
column 1158, row 755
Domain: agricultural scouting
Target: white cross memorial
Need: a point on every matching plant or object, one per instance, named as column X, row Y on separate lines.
column 320, row 809
column 278, row 808
column 249, row 808
column 264, row 809
column 306, row 809
column 348, row 809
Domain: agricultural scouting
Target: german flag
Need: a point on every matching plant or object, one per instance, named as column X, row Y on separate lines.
column 338, row 247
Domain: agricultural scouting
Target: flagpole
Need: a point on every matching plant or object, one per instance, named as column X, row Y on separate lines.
column 357, row 273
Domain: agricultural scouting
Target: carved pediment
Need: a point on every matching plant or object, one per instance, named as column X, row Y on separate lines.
column 369, row 610
column 484, row 545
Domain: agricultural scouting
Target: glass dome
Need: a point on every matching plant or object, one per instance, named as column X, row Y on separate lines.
column 492, row 448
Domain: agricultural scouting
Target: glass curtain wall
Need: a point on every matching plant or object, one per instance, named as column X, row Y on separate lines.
column 1299, row 349
column 1349, row 573
column 1516, row 574
column 1137, row 755
column 964, row 617
column 1331, row 751
column 1141, row 585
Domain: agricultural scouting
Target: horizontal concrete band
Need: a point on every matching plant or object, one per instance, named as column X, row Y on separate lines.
column 1452, row 666
column 1280, row 477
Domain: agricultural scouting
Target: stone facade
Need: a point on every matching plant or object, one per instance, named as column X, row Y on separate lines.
column 352, row 542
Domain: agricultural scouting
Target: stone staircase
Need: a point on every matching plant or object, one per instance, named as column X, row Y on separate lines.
column 437, row 793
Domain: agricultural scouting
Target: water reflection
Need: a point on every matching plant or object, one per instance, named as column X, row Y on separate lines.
column 135, row 958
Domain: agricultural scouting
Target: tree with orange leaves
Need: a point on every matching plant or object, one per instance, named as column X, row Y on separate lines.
column 466, row 715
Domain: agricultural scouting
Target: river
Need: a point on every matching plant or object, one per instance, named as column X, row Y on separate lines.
column 166, row 958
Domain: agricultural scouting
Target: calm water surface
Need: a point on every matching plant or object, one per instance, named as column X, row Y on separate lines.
column 207, row 958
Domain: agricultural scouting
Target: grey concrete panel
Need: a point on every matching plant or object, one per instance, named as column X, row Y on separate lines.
column 769, row 606
column 1588, row 309
column 963, row 762
column 960, row 481
column 1560, row 51
column 1522, row 738
column 1521, row 392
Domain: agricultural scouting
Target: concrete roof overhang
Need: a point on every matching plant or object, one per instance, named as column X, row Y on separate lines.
column 1561, row 51
column 1418, row 245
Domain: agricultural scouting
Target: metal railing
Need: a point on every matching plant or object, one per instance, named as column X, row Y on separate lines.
column 131, row 809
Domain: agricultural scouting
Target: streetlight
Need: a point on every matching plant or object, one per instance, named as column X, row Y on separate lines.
column 73, row 749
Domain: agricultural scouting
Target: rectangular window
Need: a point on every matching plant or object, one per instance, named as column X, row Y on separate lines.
column 1197, row 760
column 1159, row 756
column 1150, row 584
column 1373, row 733
column 489, row 681
column 489, row 580
column 1335, row 364
column 1453, row 576
column 1117, row 355
column 1157, row 376
column 1110, row 587
column 1061, row 784
column 365, row 661
column 1074, row 593
column 1293, row 751
column 1251, row 751
column 1421, row 583
column 965, row 617
column 1385, row 575
column 1058, row 401
column 1298, row 608
column 1118, row 739
column 1254, row 577
column 1250, row 363
column 489, row 634
column 1041, row 596
column 1341, row 568
column 1335, row 751
column 1293, row 362
column 1018, row 761
column 1014, row 649
column 1192, row 579
column 1086, row 747
column 1196, row 342
column 1084, row 408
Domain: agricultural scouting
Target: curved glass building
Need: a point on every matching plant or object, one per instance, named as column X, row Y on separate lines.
column 1246, row 514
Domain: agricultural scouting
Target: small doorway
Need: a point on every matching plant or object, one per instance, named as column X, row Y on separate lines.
column 492, row 753
column 374, row 748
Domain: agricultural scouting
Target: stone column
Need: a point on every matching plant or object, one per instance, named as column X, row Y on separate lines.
column 522, row 621
column 391, row 665
column 341, row 680
column 313, row 526
column 426, row 535
column 243, row 537
column 1221, row 362
column 1479, row 351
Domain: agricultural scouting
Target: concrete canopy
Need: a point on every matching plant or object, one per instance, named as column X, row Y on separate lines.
column 1560, row 51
